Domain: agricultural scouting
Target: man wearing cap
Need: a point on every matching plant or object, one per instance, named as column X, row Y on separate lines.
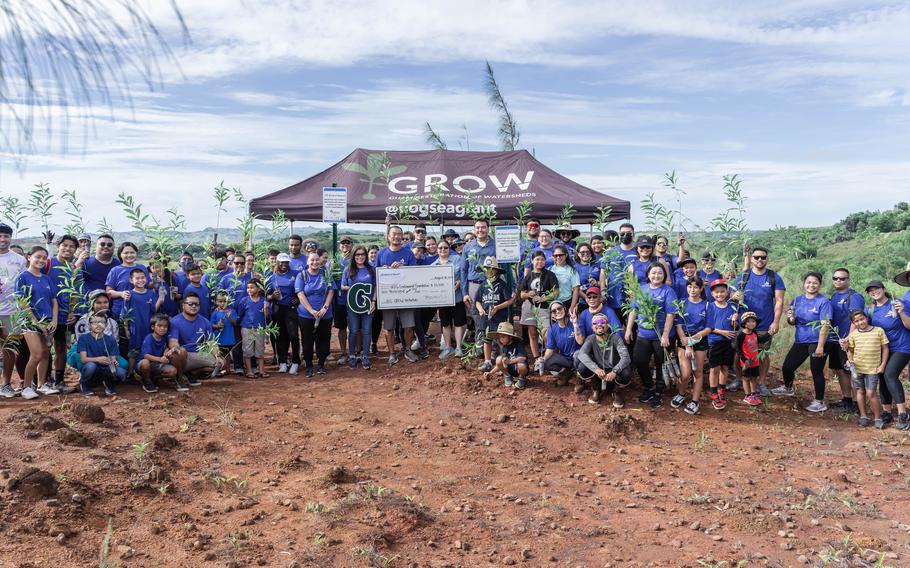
column 707, row 272
column 284, row 313
column 530, row 241
column 604, row 360
column 97, row 267
column 762, row 290
column 395, row 255
column 11, row 264
column 596, row 306
column 473, row 255
column 298, row 260
column 340, row 314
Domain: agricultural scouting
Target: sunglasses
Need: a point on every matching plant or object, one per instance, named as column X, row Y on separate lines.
column 592, row 296
column 238, row 263
column 191, row 304
column 559, row 309
column 360, row 254
column 106, row 245
column 625, row 233
column 558, row 255
column 759, row 257
column 840, row 278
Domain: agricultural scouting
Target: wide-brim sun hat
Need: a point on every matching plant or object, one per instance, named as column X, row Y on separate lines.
column 567, row 227
column 505, row 329
column 903, row 279
column 489, row 262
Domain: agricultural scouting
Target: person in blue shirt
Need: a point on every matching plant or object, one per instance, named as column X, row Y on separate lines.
column 165, row 282
column 98, row 353
column 612, row 267
column 645, row 257
column 65, row 270
column 297, row 260
column 626, row 247
column 655, row 332
column 661, row 248
column 721, row 319
column 452, row 319
column 396, row 255
column 588, row 272
column 99, row 265
column 226, row 324
column 691, row 325
column 564, row 339
column 566, row 235
column 761, row 290
column 544, row 245
column 844, row 301
column 136, row 311
column 252, row 312
column 340, row 313
column 37, row 297
column 810, row 313
column 595, row 305
column 687, row 269
column 196, row 286
column 284, row 314
column 891, row 315
column 314, row 290
column 118, row 279
column 188, row 331
column 708, row 272
column 362, row 276
column 234, row 284
column 473, row 254
column 155, row 357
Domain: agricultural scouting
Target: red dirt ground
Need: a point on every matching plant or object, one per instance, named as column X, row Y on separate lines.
column 433, row 465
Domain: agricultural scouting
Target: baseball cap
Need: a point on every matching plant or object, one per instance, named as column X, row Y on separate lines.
column 874, row 284
column 283, row 257
column 708, row 255
column 718, row 282
column 687, row 260
column 644, row 241
column 346, row 239
column 592, row 290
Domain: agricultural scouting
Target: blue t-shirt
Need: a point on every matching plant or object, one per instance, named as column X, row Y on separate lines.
column 119, row 280
column 428, row 259
column 627, row 255
column 152, row 346
column 387, row 256
column 169, row 305
column 708, row 278
column 547, row 252
column 888, row 319
column 39, row 292
column 60, row 273
column 562, row 339
column 842, row 303
column 298, row 264
column 363, row 276
column 680, row 286
column 663, row 296
column 94, row 273
column 284, row 283
column 720, row 318
column 588, row 275
column 138, row 311
column 316, row 289
column 758, row 297
column 225, row 334
column 640, row 269
column 808, row 311
column 251, row 312
column 190, row 333
column 105, row 346
column 694, row 316
column 205, row 302
column 584, row 320
column 235, row 285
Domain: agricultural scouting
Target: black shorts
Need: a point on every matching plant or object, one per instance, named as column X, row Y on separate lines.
column 720, row 354
column 63, row 332
column 453, row 315
column 702, row 345
column 750, row 372
column 340, row 317
column 837, row 357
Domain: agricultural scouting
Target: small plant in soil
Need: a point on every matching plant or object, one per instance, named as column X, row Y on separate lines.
column 314, row 507
column 190, row 420
column 700, row 441
column 164, row 489
column 140, row 451
column 106, row 547
column 373, row 557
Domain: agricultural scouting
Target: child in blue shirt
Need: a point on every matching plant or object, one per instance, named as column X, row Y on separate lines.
column 136, row 311
column 197, row 286
column 253, row 314
column 721, row 319
column 155, row 356
column 224, row 318
column 98, row 353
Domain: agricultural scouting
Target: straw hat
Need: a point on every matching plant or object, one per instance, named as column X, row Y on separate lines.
column 505, row 328
column 489, row 262
column 566, row 227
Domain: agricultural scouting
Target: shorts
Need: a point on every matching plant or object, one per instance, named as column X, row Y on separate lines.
column 837, row 357
column 542, row 319
column 196, row 361
column 720, row 355
column 764, row 338
column 8, row 326
column 253, row 342
column 867, row 381
column 702, row 345
column 158, row 369
column 63, row 331
column 513, row 370
column 750, row 372
column 453, row 315
column 340, row 317
column 404, row 316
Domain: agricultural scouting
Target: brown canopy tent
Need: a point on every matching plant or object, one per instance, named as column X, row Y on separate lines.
column 439, row 184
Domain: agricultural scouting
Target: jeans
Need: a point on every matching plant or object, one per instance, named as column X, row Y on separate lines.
column 319, row 336
column 92, row 372
column 557, row 363
column 363, row 324
column 286, row 318
column 891, row 389
column 796, row 356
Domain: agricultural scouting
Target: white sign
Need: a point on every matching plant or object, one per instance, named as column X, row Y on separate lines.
column 415, row 287
column 334, row 205
column 508, row 243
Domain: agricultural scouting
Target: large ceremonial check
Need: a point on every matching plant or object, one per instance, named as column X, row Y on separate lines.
column 415, row 287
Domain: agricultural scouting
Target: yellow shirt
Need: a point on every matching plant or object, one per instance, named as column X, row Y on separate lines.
column 867, row 348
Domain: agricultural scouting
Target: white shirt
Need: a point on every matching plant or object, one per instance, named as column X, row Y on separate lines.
column 11, row 264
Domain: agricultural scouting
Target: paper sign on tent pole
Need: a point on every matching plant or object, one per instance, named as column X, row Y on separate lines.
column 334, row 205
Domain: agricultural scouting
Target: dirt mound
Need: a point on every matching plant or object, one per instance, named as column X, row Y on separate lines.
column 337, row 474
column 164, row 442
column 36, row 421
column 69, row 437
column 86, row 412
column 622, row 426
column 34, row 483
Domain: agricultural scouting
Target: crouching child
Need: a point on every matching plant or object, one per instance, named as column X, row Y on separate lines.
column 512, row 360
column 156, row 359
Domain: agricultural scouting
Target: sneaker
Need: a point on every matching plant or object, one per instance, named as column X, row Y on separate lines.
column 86, row 391
column 366, row 363
column 521, row 383
column 783, row 391
column 64, row 388
column 182, row 384
column 393, row 358
column 415, row 345
column 430, row 338
column 6, row 391
column 864, row 421
column 294, row 369
column 903, row 421
column 817, row 406
column 753, row 400
column 618, row 401
column 150, row 388
column 764, row 391
column 486, row 367
column 330, row 357
column 458, row 353
column 109, row 391
column 47, row 389
column 507, row 381
column 656, row 401
column 352, row 363
column 717, row 402
column 410, row 356
column 194, row 382
column 538, row 366
column 880, row 424
column 691, row 408
column 423, row 353
column 283, row 368
column 444, row 354
column 595, row 397
column 309, row 373
column 677, row 401
column 735, row 385
column 886, row 417
column 320, row 369
column 645, row 396
column 343, row 359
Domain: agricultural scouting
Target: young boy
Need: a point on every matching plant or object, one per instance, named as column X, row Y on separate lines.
column 720, row 319
column 98, row 353
column 253, row 313
column 512, row 360
column 155, row 357
column 136, row 312
column 491, row 300
column 747, row 358
column 867, row 355
column 194, row 275
column 224, row 318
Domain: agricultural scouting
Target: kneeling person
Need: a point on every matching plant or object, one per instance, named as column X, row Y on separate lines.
column 512, row 360
column 604, row 355
column 156, row 359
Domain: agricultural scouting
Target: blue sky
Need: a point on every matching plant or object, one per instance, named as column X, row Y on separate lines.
column 807, row 101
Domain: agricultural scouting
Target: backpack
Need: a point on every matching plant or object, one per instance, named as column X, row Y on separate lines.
column 772, row 277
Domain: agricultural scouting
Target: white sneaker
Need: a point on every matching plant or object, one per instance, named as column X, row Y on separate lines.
column 283, row 368
column 783, row 391
column 415, row 345
column 29, row 393
column 444, row 354
column 7, row 391
column 294, row 369
column 47, row 389
column 817, row 406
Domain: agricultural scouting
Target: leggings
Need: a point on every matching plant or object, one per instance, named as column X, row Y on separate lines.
column 320, row 335
column 557, row 363
column 795, row 357
column 891, row 389
column 287, row 320
column 641, row 358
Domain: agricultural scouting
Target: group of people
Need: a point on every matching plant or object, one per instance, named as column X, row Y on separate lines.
column 592, row 312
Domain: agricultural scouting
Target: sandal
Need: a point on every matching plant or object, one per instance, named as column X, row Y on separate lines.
column 264, row 375
column 250, row 376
